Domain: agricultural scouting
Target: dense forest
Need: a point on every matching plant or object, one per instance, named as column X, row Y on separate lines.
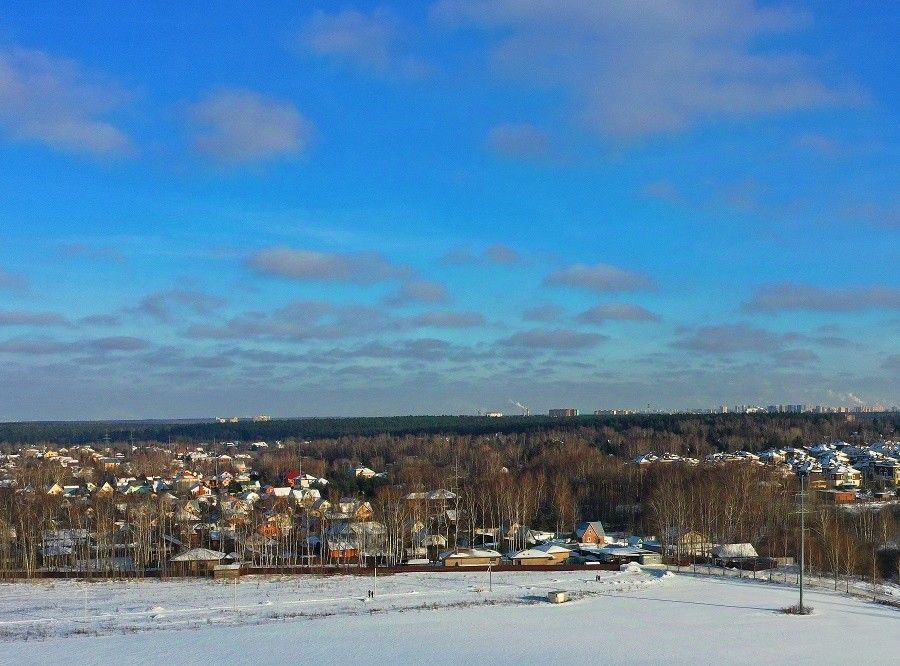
column 677, row 433
column 543, row 473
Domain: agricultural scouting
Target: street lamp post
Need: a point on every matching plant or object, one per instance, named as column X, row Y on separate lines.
column 802, row 512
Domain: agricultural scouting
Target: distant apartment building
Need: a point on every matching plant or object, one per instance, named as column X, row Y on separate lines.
column 261, row 418
column 561, row 413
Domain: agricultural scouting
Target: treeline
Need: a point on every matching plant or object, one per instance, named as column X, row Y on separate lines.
column 678, row 433
column 506, row 474
column 500, row 486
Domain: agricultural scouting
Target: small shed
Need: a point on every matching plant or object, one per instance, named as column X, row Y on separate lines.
column 734, row 553
column 470, row 557
column 198, row 561
column 531, row 557
column 547, row 553
column 558, row 597
column 625, row 554
column 227, row 571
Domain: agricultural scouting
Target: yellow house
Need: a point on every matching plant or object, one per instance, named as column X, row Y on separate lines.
column 843, row 476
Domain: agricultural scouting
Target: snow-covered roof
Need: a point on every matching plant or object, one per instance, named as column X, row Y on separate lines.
column 532, row 554
column 470, row 553
column 200, row 555
column 734, row 550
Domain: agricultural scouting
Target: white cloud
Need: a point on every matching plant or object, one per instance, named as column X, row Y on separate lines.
column 419, row 291
column 163, row 305
column 600, row 278
column 238, row 126
column 792, row 297
column 29, row 318
column 520, row 142
column 56, row 102
column 497, row 254
column 348, row 267
column 545, row 312
column 619, row 311
column 12, row 281
column 555, row 339
column 634, row 69
column 372, row 42
column 446, row 319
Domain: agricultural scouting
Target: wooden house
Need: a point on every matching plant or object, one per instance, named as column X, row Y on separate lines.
column 591, row 532
column 197, row 561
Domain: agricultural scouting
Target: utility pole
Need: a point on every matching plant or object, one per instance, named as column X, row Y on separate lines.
column 802, row 538
column 802, row 512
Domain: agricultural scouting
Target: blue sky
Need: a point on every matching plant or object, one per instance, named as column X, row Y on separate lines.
column 392, row 208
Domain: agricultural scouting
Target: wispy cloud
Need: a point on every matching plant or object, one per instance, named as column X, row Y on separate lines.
column 239, row 126
column 731, row 338
column 12, row 281
column 796, row 357
column 600, row 278
column 497, row 254
column 43, row 346
column 31, row 319
column 448, row 319
column 374, row 42
column 521, row 141
column 310, row 265
column 789, row 296
column 101, row 320
column 56, row 102
column 321, row 320
column 618, row 311
column 163, row 305
column 892, row 364
column 418, row 291
column 879, row 214
column 91, row 253
column 743, row 337
column 634, row 69
column 559, row 339
column 546, row 312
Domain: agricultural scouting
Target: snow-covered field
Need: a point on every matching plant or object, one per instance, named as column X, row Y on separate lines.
column 625, row 617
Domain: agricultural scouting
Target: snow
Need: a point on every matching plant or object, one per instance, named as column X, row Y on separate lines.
column 199, row 555
column 634, row 616
column 734, row 551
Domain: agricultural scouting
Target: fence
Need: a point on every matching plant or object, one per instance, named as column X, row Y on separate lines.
column 854, row 586
column 329, row 570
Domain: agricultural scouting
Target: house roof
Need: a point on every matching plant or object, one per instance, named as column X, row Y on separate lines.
column 470, row 553
column 596, row 524
column 734, row 550
column 532, row 554
column 200, row 555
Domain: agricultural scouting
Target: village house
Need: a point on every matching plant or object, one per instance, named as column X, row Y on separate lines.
column 888, row 471
column 841, row 476
column 544, row 554
column 687, row 543
column 197, row 561
column 470, row 557
column 591, row 532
